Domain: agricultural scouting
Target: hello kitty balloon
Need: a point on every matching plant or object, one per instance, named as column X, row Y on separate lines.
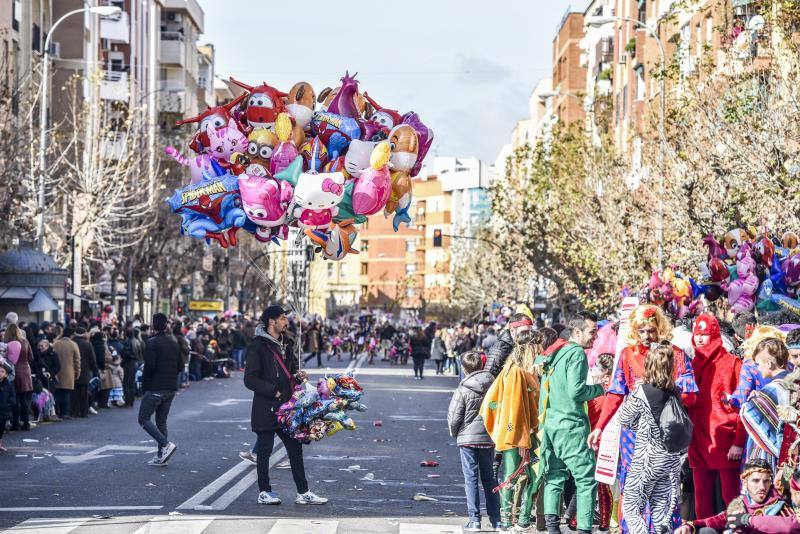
column 316, row 197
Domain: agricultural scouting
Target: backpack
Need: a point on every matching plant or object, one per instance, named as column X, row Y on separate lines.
column 676, row 427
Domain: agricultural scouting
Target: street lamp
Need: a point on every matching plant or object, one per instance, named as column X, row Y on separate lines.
column 103, row 11
column 597, row 21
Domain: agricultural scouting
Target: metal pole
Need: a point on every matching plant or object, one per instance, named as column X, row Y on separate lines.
column 43, row 126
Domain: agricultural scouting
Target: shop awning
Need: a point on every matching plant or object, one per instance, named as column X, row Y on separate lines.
column 42, row 301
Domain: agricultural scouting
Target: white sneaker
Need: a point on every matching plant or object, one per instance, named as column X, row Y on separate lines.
column 167, row 452
column 155, row 460
column 249, row 457
column 309, row 498
column 268, row 497
column 92, row 410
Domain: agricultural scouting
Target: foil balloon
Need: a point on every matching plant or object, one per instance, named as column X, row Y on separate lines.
column 405, row 147
column 373, row 186
column 286, row 152
column 316, row 197
column 265, row 201
column 264, row 104
column 733, row 240
column 261, row 144
column 223, row 143
column 344, row 101
column 337, row 242
column 315, row 154
column 358, row 157
column 216, row 117
column 424, row 137
column 210, row 209
column 385, row 117
column 346, row 206
column 300, row 104
column 333, row 128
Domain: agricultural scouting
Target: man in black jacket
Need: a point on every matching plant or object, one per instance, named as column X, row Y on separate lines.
column 270, row 373
column 162, row 363
column 498, row 353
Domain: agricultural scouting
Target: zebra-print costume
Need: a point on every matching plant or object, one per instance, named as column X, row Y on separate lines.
column 654, row 475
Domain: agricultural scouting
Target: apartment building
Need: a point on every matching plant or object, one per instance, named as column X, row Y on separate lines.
column 392, row 264
column 569, row 72
column 23, row 28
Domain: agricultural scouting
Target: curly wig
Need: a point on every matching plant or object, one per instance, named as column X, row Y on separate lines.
column 648, row 314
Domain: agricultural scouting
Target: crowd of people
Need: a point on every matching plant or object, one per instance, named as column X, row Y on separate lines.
column 705, row 435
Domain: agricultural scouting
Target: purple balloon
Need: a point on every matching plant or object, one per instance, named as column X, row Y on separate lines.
column 425, row 136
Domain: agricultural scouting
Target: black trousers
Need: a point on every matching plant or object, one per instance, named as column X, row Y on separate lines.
column 419, row 364
column 294, row 449
column 439, row 366
column 311, row 357
column 80, row 400
column 62, row 397
column 129, row 381
column 158, row 403
column 21, row 413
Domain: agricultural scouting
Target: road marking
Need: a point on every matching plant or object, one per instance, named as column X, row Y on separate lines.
column 416, row 418
column 47, row 526
column 96, row 453
column 229, row 402
column 211, row 489
column 175, row 525
column 428, row 528
column 75, row 508
column 304, row 526
column 244, row 484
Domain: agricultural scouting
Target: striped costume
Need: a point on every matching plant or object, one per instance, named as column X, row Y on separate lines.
column 654, row 476
column 760, row 419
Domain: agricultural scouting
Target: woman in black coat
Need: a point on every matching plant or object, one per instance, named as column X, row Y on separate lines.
column 420, row 351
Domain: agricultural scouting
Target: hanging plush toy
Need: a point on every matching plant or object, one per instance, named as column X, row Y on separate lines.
column 742, row 291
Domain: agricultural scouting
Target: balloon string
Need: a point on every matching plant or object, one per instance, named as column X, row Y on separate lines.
column 269, row 283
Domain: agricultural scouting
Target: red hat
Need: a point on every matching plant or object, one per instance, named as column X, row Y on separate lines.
column 706, row 324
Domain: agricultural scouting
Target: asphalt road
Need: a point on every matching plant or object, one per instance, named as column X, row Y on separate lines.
column 90, row 476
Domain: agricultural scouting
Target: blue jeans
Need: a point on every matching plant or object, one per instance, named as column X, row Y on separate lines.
column 476, row 463
column 238, row 357
column 158, row 403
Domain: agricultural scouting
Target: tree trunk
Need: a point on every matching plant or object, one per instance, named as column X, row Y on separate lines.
column 140, row 296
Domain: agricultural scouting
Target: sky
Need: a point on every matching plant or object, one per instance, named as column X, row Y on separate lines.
column 466, row 67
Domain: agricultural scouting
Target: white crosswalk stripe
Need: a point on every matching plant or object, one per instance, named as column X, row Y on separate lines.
column 304, row 526
column 199, row 524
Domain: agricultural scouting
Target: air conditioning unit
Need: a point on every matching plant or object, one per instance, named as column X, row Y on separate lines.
column 55, row 49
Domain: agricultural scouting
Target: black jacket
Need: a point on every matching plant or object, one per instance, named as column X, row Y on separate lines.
column 162, row 363
column 7, row 397
column 88, row 361
column 265, row 378
column 420, row 346
column 464, row 415
column 98, row 342
column 498, row 353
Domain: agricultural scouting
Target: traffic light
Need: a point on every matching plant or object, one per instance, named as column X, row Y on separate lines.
column 437, row 238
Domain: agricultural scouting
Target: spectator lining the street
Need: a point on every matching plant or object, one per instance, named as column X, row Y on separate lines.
column 498, row 353
column 475, row 446
column 509, row 411
column 420, row 351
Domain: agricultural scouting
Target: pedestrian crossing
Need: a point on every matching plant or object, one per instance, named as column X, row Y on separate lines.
column 203, row 524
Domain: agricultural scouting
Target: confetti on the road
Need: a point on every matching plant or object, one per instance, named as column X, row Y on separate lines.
column 175, row 513
column 368, row 476
column 377, row 423
column 29, row 440
column 434, row 476
column 150, row 484
column 423, row 497
column 429, row 463
column 329, row 481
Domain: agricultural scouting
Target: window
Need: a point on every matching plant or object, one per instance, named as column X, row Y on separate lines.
column 410, row 292
column 36, row 38
column 331, row 270
column 364, row 291
column 364, row 244
column 16, row 8
column 411, row 268
column 641, row 86
column 709, row 30
column 411, row 245
column 364, row 268
column 698, row 39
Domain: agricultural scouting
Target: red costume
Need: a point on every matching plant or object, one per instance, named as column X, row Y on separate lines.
column 716, row 372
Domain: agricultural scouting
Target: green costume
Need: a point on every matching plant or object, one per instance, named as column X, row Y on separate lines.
column 563, row 431
column 516, row 501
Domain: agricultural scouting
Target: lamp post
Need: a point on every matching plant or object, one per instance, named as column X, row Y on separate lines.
column 597, row 21
column 98, row 10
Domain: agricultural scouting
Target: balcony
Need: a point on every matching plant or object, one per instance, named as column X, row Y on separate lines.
column 114, row 86
column 116, row 29
column 172, row 101
column 172, row 50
